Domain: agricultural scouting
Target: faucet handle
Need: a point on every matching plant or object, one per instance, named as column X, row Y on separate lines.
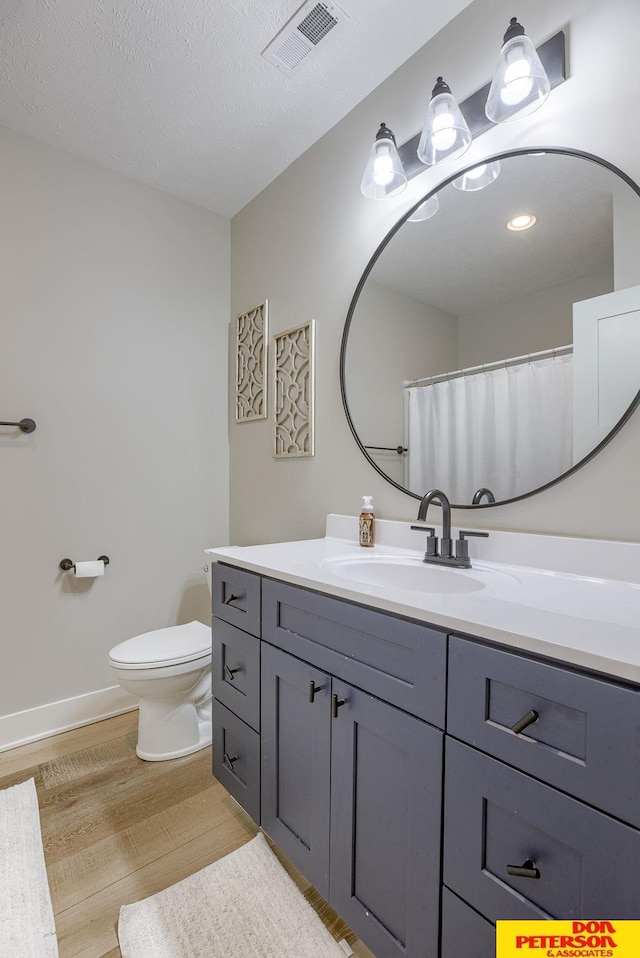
column 462, row 546
column 432, row 540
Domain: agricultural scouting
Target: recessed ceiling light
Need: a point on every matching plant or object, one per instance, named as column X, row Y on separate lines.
column 524, row 221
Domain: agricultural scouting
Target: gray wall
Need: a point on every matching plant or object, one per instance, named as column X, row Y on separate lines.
column 538, row 321
column 393, row 337
column 304, row 242
column 115, row 304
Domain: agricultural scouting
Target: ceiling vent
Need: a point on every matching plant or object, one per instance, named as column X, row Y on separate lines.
column 298, row 40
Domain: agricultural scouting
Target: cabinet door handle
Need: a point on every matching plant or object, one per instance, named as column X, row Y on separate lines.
column 336, row 703
column 231, row 598
column 525, row 722
column 526, row 870
column 228, row 761
column 313, row 688
column 230, row 672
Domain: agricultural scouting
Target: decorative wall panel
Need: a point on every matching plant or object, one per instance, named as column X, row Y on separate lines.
column 251, row 364
column 293, row 431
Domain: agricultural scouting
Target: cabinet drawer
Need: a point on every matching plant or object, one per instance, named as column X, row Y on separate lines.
column 464, row 932
column 236, row 597
column 496, row 817
column 586, row 740
column 236, row 671
column 236, row 759
column 399, row 661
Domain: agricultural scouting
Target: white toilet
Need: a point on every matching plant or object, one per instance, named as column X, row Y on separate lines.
column 169, row 670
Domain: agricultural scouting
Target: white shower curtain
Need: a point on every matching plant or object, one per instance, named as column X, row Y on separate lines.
column 509, row 429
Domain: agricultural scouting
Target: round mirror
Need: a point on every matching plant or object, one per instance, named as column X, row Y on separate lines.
column 491, row 346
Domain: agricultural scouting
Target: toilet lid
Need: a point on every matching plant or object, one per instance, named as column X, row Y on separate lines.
column 171, row 646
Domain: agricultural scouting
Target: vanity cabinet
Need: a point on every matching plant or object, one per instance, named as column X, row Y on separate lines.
column 427, row 784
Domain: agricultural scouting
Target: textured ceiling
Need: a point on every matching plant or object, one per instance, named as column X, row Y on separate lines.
column 176, row 94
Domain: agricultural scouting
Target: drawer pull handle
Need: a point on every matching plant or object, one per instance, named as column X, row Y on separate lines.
column 231, row 598
column 228, row 761
column 230, row 672
column 336, row 703
column 313, row 688
column 526, row 870
column 525, row 722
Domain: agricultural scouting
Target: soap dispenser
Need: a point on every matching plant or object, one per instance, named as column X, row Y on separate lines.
column 367, row 520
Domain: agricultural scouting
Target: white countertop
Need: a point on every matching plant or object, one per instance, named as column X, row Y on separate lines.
column 576, row 600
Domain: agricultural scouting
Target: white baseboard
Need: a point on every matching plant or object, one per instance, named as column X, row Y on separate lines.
column 46, row 720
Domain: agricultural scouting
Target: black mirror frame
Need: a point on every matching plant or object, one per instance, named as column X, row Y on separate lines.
column 560, row 151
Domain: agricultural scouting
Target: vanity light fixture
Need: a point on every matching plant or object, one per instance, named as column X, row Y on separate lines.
column 478, row 177
column 384, row 174
column 523, row 221
column 426, row 210
column 445, row 134
column 520, row 84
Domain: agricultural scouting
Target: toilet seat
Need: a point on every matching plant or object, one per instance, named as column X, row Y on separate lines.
column 175, row 645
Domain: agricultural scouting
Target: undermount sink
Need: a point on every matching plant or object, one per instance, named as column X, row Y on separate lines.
column 410, row 574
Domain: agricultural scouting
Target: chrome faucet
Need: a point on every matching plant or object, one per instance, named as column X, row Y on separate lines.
column 436, row 495
column 445, row 557
column 481, row 493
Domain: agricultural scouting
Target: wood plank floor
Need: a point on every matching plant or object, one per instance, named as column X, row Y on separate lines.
column 116, row 829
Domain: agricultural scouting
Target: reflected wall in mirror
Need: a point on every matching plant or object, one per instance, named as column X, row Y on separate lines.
column 498, row 358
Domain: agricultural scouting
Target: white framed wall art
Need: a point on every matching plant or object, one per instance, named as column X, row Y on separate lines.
column 251, row 363
column 293, row 377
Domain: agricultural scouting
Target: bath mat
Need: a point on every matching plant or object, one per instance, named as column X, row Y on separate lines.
column 242, row 906
column 27, row 928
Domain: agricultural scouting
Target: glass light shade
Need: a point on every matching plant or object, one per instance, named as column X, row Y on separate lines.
column 478, row 177
column 384, row 173
column 445, row 134
column 426, row 210
column 520, row 84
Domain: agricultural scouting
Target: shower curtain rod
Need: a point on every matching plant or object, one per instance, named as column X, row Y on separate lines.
column 473, row 370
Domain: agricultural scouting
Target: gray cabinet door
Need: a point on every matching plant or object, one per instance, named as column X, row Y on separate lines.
column 386, row 777
column 296, row 762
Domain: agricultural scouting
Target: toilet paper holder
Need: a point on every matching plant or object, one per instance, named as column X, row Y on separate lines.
column 67, row 564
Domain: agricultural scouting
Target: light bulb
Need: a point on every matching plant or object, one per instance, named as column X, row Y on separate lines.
column 523, row 221
column 383, row 169
column 384, row 174
column 517, row 81
column 445, row 134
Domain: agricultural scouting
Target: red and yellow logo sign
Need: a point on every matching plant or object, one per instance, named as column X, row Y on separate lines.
column 568, row 939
